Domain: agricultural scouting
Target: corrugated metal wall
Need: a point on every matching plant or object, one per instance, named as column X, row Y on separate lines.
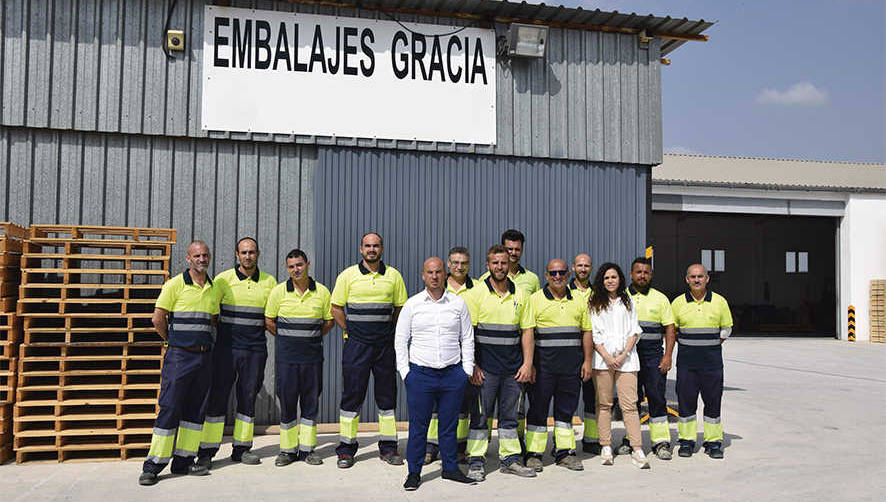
column 214, row 190
column 98, row 65
column 425, row 203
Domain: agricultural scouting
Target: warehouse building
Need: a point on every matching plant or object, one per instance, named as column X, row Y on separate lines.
column 255, row 129
column 791, row 243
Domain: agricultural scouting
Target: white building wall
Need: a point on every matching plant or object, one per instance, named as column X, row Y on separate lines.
column 862, row 258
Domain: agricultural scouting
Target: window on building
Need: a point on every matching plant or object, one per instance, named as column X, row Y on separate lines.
column 707, row 259
column 796, row 262
column 714, row 260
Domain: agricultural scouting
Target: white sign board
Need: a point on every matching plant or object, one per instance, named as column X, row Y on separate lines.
column 289, row 73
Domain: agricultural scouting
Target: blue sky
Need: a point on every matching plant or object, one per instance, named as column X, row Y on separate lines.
column 799, row 79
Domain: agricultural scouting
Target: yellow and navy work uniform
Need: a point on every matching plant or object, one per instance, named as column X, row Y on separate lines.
column 701, row 325
column 588, row 391
column 559, row 328
column 369, row 299
column 239, row 355
column 655, row 314
column 186, row 373
column 498, row 326
column 469, row 403
column 298, row 358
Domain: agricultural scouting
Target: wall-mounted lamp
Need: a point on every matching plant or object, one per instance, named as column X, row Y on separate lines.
column 527, row 40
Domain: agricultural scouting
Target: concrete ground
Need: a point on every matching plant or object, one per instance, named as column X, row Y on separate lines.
column 805, row 419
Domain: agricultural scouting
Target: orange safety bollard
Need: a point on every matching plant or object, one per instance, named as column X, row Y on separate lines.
column 851, row 323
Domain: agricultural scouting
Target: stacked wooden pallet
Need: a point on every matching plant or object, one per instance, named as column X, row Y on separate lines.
column 89, row 367
column 10, row 254
column 878, row 311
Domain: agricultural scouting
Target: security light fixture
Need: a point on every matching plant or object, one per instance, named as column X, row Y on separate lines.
column 527, row 40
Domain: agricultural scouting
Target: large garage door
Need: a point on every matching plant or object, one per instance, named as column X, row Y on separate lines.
column 778, row 272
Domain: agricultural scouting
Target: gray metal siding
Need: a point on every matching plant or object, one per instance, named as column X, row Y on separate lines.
column 214, row 190
column 423, row 203
column 98, row 65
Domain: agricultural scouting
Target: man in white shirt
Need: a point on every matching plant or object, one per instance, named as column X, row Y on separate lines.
column 434, row 343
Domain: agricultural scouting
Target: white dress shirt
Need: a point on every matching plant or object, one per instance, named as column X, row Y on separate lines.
column 435, row 334
column 612, row 328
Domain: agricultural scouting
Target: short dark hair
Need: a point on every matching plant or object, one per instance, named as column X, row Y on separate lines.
column 297, row 253
column 513, row 235
column 459, row 250
column 496, row 249
column 247, row 238
column 372, row 232
column 641, row 260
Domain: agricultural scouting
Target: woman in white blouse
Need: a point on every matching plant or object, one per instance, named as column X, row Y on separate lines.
column 615, row 360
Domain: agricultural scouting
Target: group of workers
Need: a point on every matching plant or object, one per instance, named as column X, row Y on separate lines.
column 469, row 351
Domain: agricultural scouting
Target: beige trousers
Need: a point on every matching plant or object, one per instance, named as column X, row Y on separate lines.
column 626, row 385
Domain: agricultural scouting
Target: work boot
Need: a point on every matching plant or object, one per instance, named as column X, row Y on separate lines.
column 392, row 458
column 345, row 461
column 284, row 459
column 458, row 477
column 535, row 464
column 518, row 469
column 147, row 479
column 413, row 480
column 606, row 455
column 686, row 448
column 590, row 447
column 311, row 458
column 205, row 462
column 714, row 450
column 430, row 457
column 571, row 462
column 662, row 451
column 249, row 458
column 192, row 470
column 625, row 447
column 477, row 472
column 638, row 458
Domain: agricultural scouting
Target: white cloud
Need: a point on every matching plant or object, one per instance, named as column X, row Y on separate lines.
column 681, row 150
column 800, row 94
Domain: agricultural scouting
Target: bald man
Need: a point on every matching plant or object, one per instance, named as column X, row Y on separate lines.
column 580, row 286
column 434, row 344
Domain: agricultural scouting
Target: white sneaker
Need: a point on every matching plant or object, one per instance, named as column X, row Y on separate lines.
column 606, row 455
column 638, row 458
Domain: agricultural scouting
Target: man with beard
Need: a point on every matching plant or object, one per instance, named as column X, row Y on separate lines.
column 239, row 354
column 184, row 316
column 580, row 286
column 656, row 319
column 366, row 301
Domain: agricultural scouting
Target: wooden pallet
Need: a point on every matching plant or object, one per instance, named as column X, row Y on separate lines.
column 92, row 335
column 98, row 232
column 8, row 375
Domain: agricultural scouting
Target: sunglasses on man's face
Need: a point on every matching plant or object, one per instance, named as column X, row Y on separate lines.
column 555, row 273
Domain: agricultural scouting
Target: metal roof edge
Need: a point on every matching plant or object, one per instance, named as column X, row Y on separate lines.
column 767, row 186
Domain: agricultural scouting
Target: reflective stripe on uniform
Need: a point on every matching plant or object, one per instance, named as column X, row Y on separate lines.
column 213, row 430
column 508, row 443
column 289, row 437
column 433, row 433
column 659, row 430
column 387, row 425
column 536, row 438
column 590, row 433
column 557, row 343
column 713, row 429
column 162, row 442
column 187, row 441
column 348, row 422
column 564, row 436
column 687, row 427
column 492, row 340
column 307, row 435
column 478, row 443
column 244, row 427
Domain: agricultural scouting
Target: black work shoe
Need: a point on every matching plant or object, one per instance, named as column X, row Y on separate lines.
column 205, row 462
column 458, row 477
column 392, row 458
column 592, row 448
column 147, row 479
column 197, row 470
column 413, row 480
column 662, row 451
column 625, row 447
column 284, row 459
column 345, row 461
column 431, row 457
column 714, row 450
column 250, row 458
column 685, row 450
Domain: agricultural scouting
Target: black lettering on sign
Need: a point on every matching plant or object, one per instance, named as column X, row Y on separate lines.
column 262, row 45
column 367, row 37
column 479, row 65
column 333, row 68
column 399, row 72
column 349, row 48
column 282, row 51
column 242, row 42
column 219, row 40
column 296, row 44
column 467, row 56
column 418, row 55
column 317, row 51
column 436, row 60
column 453, row 42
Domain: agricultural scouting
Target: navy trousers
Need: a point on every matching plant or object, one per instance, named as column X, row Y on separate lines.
column 246, row 368
column 425, row 389
column 563, row 389
column 691, row 382
column 184, row 386
column 652, row 384
column 357, row 361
